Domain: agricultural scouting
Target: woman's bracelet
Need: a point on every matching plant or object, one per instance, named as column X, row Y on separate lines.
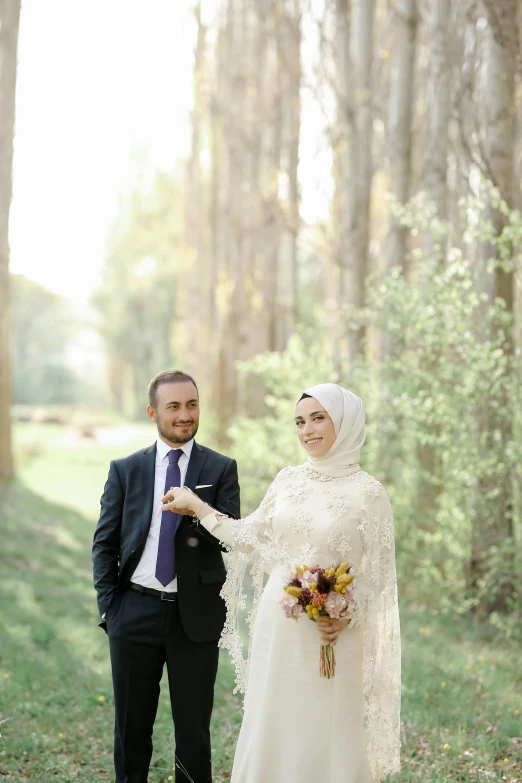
column 197, row 515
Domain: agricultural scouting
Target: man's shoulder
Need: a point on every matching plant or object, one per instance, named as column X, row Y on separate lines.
column 215, row 456
column 129, row 459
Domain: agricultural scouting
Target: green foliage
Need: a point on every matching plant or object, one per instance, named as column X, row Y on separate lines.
column 443, row 413
column 43, row 326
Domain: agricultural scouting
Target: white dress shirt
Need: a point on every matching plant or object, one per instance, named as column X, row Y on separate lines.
column 145, row 573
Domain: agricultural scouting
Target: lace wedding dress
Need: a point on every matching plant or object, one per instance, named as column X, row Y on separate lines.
column 299, row 727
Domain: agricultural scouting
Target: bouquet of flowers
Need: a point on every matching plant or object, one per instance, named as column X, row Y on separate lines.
column 320, row 592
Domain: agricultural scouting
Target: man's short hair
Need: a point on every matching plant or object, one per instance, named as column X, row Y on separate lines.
column 167, row 376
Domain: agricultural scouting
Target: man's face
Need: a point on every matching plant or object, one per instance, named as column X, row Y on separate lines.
column 177, row 412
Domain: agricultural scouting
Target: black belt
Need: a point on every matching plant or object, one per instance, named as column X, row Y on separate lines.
column 161, row 594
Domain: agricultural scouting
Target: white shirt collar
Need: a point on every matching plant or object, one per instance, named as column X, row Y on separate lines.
column 162, row 448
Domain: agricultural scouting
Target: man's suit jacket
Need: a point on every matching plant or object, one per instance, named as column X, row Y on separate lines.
column 125, row 518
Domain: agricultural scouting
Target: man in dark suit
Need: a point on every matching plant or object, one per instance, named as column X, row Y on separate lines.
column 158, row 578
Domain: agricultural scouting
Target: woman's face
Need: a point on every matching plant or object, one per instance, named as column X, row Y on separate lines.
column 315, row 428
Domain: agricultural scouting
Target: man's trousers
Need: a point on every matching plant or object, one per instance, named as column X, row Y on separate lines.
column 144, row 634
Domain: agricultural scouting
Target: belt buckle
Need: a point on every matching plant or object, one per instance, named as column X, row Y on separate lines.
column 163, row 594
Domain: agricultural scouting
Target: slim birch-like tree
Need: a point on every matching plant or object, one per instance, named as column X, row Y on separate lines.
column 288, row 42
column 354, row 59
column 494, row 523
column 436, row 164
column 9, row 25
column 400, row 123
column 439, row 104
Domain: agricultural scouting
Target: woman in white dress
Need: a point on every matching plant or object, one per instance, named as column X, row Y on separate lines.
column 299, row 727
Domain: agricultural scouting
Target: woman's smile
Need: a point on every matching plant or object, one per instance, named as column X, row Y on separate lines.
column 311, row 419
column 312, row 441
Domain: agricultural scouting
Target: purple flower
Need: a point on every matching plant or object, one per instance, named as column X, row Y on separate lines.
column 324, row 583
column 306, row 597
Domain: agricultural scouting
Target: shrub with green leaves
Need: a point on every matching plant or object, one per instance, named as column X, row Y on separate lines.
column 443, row 413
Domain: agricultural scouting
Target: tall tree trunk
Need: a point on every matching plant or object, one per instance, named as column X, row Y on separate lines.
column 364, row 165
column 345, row 157
column 401, row 112
column 228, row 94
column 199, row 299
column 436, row 186
column 438, row 107
column 289, row 45
column 271, row 156
column 9, row 24
column 354, row 162
column 494, row 523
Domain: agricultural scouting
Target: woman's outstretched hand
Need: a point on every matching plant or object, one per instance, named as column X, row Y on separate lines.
column 330, row 629
column 181, row 500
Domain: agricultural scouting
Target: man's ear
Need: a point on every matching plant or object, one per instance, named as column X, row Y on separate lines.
column 151, row 413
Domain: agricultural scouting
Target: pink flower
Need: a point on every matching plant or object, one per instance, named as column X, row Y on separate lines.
column 307, row 578
column 336, row 605
column 290, row 605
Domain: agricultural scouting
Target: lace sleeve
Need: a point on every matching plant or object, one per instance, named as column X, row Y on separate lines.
column 243, row 535
column 252, row 535
column 378, row 613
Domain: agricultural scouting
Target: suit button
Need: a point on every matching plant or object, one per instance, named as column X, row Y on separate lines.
column 133, row 551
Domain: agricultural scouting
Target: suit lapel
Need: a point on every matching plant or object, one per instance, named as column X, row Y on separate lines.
column 148, row 471
column 196, row 462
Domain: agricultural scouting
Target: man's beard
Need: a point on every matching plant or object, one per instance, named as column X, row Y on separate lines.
column 174, row 437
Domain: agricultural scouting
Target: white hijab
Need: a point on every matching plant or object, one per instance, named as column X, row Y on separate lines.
column 347, row 413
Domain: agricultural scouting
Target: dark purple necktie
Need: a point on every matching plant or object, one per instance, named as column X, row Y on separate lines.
column 166, row 564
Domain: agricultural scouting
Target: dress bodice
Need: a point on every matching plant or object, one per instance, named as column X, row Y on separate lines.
column 316, row 519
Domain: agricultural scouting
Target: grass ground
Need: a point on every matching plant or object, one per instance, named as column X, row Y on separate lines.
column 462, row 696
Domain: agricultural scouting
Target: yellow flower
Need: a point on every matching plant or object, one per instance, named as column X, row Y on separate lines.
column 426, row 631
column 295, row 591
column 170, row 777
column 101, row 698
column 343, row 568
column 345, row 579
column 443, row 685
column 6, row 676
column 60, row 734
column 517, row 712
column 446, row 746
column 506, row 761
column 299, row 571
column 481, row 658
column 435, row 611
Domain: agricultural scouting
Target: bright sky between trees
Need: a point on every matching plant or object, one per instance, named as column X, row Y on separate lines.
column 98, row 83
